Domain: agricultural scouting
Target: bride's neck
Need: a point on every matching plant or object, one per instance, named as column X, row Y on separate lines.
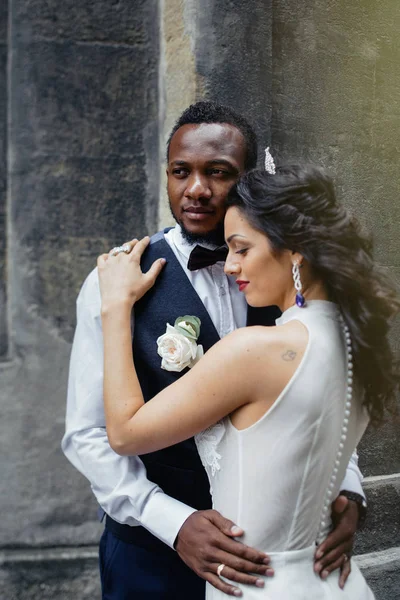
column 316, row 290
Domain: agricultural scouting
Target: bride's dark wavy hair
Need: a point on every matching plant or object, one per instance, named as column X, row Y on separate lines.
column 296, row 208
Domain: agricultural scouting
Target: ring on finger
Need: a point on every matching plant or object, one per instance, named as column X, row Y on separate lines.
column 118, row 249
column 220, row 569
column 345, row 557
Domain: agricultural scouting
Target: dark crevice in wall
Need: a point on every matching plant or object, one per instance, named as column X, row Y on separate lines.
column 3, row 182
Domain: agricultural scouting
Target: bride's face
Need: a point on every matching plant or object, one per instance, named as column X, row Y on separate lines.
column 263, row 276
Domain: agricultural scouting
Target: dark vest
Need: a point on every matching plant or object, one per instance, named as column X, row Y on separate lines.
column 178, row 469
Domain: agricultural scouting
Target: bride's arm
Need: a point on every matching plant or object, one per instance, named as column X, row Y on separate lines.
column 230, row 375
column 224, row 379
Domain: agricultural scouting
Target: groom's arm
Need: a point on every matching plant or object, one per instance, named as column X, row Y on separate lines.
column 120, row 483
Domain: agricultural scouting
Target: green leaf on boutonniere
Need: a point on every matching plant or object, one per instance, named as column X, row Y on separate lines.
column 188, row 326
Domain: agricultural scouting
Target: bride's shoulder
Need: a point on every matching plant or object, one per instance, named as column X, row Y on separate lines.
column 293, row 331
column 261, row 358
column 267, row 343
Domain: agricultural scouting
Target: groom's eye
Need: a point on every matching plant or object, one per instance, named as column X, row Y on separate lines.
column 180, row 172
column 219, row 172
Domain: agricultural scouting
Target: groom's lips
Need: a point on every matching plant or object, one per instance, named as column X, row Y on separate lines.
column 198, row 213
column 242, row 284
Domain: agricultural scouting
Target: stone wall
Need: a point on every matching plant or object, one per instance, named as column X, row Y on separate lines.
column 91, row 92
column 82, row 174
column 335, row 101
column 3, row 179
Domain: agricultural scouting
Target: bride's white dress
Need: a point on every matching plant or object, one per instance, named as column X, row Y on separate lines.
column 277, row 478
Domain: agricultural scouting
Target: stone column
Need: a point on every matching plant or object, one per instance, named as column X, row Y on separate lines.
column 83, row 175
column 3, row 180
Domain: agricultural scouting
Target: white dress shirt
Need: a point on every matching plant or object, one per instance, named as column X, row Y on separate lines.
column 120, row 483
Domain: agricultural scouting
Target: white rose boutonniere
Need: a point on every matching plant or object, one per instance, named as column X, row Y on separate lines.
column 178, row 347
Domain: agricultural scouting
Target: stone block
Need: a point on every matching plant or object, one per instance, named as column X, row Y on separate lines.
column 69, row 574
column 379, row 450
column 382, row 527
column 381, row 570
column 3, row 22
column 114, row 22
column 83, row 101
column 50, row 574
column 70, row 210
column 332, row 72
column 85, row 173
column 3, row 193
column 47, row 502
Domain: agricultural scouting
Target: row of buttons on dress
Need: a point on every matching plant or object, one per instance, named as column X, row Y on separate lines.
column 343, row 435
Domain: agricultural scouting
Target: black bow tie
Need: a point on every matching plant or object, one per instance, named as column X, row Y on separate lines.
column 201, row 257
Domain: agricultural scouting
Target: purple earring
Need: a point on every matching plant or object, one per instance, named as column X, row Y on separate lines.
column 300, row 300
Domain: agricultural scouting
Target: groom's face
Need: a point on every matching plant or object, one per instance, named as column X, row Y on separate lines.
column 204, row 162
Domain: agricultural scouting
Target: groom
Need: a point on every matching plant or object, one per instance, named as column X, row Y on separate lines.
column 158, row 518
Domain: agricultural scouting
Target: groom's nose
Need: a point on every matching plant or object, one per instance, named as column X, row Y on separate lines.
column 198, row 187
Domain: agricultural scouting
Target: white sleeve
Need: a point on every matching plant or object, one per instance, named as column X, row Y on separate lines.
column 353, row 478
column 119, row 483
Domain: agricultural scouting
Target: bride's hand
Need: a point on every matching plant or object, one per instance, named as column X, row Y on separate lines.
column 120, row 276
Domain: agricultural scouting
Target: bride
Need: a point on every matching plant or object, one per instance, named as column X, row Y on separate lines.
column 276, row 411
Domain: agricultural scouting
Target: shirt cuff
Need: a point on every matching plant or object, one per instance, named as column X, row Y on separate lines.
column 164, row 516
column 352, row 483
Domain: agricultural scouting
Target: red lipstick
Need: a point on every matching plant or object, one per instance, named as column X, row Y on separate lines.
column 241, row 284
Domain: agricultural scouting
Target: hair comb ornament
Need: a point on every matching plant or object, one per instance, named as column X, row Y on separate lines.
column 269, row 162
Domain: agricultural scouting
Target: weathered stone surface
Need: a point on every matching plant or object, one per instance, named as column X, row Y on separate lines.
column 380, row 450
column 382, row 527
column 46, row 501
column 381, row 569
column 69, row 574
column 115, row 22
column 84, row 133
column 331, row 104
column 82, row 101
column 329, row 67
column 3, row 22
column 70, row 210
column 234, row 57
column 50, row 574
column 83, row 175
column 3, row 179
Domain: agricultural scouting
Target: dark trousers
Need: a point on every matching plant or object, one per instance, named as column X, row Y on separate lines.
column 132, row 572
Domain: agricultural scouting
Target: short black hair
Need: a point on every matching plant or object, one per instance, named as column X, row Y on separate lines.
column 211, row 112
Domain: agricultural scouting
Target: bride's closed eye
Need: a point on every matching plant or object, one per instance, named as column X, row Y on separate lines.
column 242, row 251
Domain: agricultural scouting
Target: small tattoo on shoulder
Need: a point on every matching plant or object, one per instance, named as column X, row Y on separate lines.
column 289, row 355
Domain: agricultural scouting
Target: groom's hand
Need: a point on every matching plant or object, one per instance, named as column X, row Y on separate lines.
column 335, row 551
column 206, row 541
